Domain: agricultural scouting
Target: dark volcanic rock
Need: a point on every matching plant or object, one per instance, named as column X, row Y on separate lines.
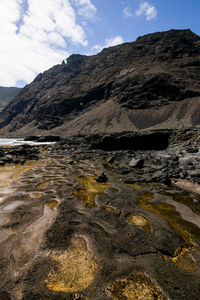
column 128, row 226
column 140, row 85
column 41, row 139
column 5, row 295
column 7, row 158
column 149, row 140
column 136, row 163
column 101, row 178
column 166, row 242
column 18, row 154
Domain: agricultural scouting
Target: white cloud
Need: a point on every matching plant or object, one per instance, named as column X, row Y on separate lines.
column 147, row 10
column 114, row 41
column 109, row 42
column 127, row 13
column 34, row 40
column 57, row 39
column 85, row 8
column 97, row 48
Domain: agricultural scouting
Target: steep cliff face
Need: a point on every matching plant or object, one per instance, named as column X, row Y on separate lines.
column 153, row 82
column 7, row 94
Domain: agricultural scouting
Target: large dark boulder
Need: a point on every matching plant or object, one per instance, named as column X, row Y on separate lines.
column 43, row 139
column 149, row 140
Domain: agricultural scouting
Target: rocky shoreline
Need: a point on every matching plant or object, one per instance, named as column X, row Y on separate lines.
column 103, row 217
column 151, row 156
column 18, row 154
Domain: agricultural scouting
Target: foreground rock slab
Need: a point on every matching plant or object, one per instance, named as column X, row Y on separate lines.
column 63, row 235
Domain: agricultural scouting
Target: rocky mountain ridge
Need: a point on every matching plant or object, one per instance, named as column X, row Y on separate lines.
column 150, row 83
column 7, row 94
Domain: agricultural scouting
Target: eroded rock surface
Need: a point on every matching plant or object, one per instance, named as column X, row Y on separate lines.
column 63, row 235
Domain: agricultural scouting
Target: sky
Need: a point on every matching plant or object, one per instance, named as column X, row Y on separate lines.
column 38, row 34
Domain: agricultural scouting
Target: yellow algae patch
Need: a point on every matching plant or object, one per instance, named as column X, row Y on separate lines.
column 37, row 195
column 185, row 198
column 140, row 221
column 135, row 287
column 137, row 186
column 113, row 190
column 189, row 232
column 49, row 192
column 108, row 166
column 108, row 208
column 43, row 185
column 80, row 297
column 9, row 173
column 51, row 203
column 145, row 197
column 90, row 190
column 75, row 268
column 185, row 261
column 43, row 150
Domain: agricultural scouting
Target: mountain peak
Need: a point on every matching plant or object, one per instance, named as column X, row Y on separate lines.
column 148, row 83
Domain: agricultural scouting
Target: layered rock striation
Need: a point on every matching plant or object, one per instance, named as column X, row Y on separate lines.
column 153, row 82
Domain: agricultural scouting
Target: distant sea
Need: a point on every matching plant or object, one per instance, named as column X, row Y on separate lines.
column 16, row 142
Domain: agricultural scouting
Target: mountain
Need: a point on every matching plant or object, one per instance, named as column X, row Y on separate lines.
column 7, row 94
column 151, row 83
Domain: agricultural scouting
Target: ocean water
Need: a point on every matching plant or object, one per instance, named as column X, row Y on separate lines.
column 16, row 142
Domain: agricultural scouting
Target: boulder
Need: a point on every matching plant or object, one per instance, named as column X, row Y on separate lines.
column 7, row 158
column 101, row 178
column 136, row 163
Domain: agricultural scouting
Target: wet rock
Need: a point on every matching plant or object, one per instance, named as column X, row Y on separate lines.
column 161, row 176
column 113, row 224
column 122, row 170
column 42, row 139
column 75, row 222
column 101, row 178
column 147, row 140
column 2, row 163
column 111, row 159
column 2, row 153
column 136, row 163
column 132, row 180
column 167, row 241
column 5, row 295
column 192, row 149
column 7, row 158
column 175, row 158
column 195, row 173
